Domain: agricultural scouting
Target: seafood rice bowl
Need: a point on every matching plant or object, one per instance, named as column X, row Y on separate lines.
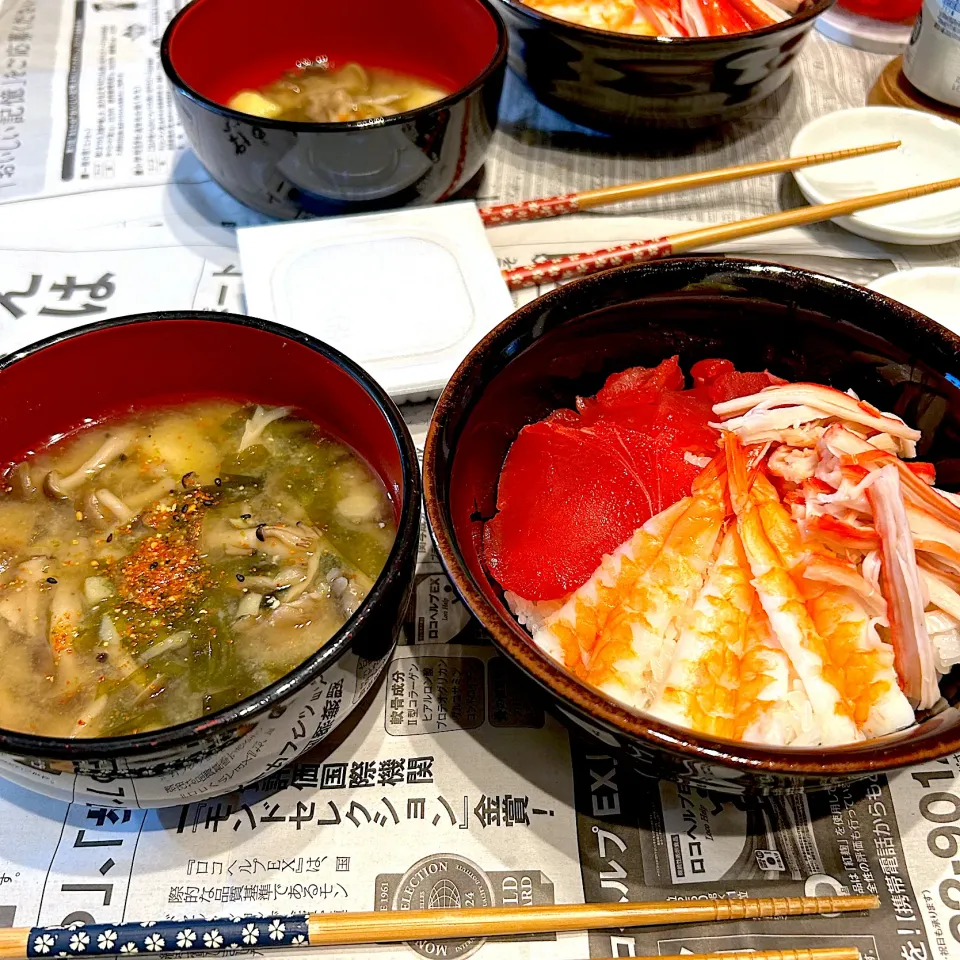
column 802, row 594
column 713, row 515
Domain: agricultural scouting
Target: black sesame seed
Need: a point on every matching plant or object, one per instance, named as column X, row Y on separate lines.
column 245, row 516
column 240, row 577
column 183, row 509
column 101, row 657
column 51, row 579
column 154, row 565
column 260, row 535
column 109, row 538
column 218, row 481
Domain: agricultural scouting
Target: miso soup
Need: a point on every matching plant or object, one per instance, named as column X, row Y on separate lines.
column 159, row 567
column 322, row 93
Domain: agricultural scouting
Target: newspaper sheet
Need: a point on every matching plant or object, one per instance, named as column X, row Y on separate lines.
column 85, row 112
column 119, row 271
column 455, row 787
column 85, row 105
column 483, row 798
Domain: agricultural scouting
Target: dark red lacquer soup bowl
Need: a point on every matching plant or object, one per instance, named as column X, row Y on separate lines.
column 113, row 367
column 213, row 49
column 799, row 325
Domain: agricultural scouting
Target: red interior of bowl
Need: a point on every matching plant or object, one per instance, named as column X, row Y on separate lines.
column 219, row 47
column 110, row 371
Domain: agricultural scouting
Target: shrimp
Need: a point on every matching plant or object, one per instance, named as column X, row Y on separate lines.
column 866, row 662
column 700, row 691
column 635, row 646
column 845, row 611
column 768, row 534
column 622, row 16
column 730, row 677
column 570, row 633
column 772, row 705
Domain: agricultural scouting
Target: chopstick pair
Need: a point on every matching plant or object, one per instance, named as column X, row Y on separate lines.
column 343, row 929
column 582, row 264
column 588, row 199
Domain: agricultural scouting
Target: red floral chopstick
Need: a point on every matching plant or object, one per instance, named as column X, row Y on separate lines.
column 530, row 209
column 580, row 264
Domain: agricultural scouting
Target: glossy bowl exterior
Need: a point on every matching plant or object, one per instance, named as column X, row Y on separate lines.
column 228, row 356
column 800, row 325
column 291, row 170
column 611, row 81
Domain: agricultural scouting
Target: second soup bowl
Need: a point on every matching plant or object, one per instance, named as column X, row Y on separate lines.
column 213, row 49
column 109, row 369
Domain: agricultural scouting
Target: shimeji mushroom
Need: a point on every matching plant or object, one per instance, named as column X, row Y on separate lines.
column 59, row 488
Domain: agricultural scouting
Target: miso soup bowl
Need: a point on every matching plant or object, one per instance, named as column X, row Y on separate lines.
column 106, row 369
column 212, row 49
column 797, row 324
column 620, row 82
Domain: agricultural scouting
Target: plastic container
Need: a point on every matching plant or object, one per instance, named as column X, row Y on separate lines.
column 932, row 60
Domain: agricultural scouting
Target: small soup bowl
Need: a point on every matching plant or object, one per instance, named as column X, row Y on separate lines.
column 212, row 49
column 797, row 324
column 109, row 368
column 621, row 82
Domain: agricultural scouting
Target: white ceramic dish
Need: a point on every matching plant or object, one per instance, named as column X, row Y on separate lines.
column 934, row 291
column 930, row 151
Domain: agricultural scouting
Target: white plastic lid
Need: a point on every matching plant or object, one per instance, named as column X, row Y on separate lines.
column 405, row 293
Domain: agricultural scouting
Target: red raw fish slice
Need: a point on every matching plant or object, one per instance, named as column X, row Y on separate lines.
column 577, row 484
column 729, row 386
column 638, row 385
column 706, row 371
column 568, row 496
column 641, row 384
column 562, row 497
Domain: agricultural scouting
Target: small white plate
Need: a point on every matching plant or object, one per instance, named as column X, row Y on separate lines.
column 934, row 291
column 930, row 151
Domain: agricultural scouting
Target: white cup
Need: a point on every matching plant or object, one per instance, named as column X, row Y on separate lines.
column 932, row 60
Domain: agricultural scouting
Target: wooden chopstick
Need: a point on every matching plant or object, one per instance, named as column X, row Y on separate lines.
column 342, row 929
column 586, row 199
column 581, row 264
column 789, row 953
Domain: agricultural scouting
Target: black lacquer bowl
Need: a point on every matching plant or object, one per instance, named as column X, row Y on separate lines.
column 213, row 49
column 797, row 324
column 615, row 81
column 107, row 369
